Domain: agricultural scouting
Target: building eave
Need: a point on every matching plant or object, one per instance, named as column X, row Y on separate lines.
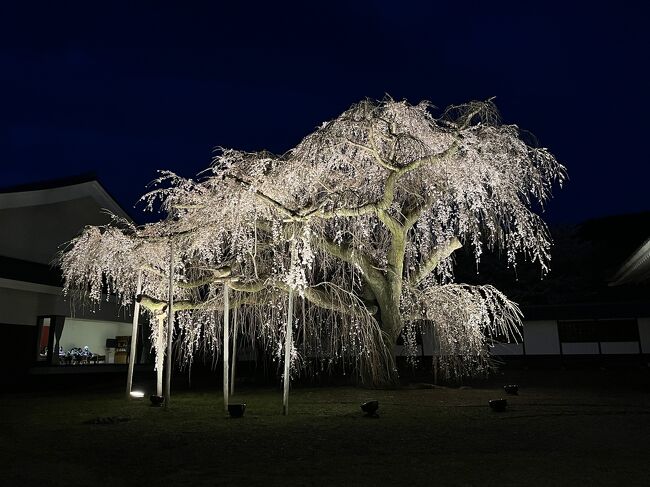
column 66, row 190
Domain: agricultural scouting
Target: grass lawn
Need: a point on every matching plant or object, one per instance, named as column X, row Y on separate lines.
column 443, row 436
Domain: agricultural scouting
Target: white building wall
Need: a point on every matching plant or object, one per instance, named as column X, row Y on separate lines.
column 21, row 303
column 580, row 348
column 18, row 307
column 619, row 348
column 507, row 349
column 644, row 334
column 541, row 337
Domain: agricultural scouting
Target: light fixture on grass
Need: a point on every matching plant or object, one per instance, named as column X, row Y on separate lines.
column 137, row 394
column 370, row 408
column 236, row 410
column 157, row 400
column 498, row 405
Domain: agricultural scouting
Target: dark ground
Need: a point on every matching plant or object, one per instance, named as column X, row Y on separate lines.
column 564, row 428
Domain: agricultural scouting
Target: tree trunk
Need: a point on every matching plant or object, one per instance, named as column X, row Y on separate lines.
column 390, row 321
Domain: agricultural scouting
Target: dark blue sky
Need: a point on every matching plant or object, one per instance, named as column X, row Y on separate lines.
column 125, row 91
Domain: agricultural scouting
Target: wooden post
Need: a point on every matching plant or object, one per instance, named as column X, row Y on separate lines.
column 288, row 341
column 234, row 353
column 170, row 325
column 226, row 345
column 134, row 336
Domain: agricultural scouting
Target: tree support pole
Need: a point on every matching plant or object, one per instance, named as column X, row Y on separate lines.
column 234, row 353
column 170, row 325
column 134, row 337
column 226, row 345
column 160, row 355
column 288, row 341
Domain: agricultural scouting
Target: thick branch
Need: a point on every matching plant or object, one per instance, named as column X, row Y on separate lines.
column 267, row 199
column 349, row 255
column 449, row 151
column 217, row 276
column 324, row 299
column 312, row 294
column 160, row 307
column 431, row 262
column 375, row 153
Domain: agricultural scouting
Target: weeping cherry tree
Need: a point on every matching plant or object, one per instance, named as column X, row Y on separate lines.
column 359, row 221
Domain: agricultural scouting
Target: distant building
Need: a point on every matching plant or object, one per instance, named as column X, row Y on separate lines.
column 603, row 315
column 37, row 324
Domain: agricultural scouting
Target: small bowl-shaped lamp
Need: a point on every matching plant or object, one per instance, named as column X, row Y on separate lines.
column 498, row 405
column 370, row 407
column 236, row 410
column 157, row 400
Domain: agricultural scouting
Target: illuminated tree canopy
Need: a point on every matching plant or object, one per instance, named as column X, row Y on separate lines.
column 372, row 206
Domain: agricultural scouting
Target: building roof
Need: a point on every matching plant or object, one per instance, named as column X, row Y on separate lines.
column 636, row 268
column 57, row 190
column 37, row 220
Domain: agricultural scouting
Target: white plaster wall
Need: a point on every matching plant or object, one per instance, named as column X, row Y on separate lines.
column 91, row 333
column 541, row 337
column 582, row 348
column 609, row 348
column 507, row 349
column 644, row 334
column 22, row 307
column 18, row 307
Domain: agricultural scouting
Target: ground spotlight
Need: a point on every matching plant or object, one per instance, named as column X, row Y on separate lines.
column 370, row 408
column 137, row 394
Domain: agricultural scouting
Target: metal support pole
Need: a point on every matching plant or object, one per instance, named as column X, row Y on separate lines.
column 226, row 345
column 134, row 336
column 233, row 367
column 288, row 341
column 170, row 325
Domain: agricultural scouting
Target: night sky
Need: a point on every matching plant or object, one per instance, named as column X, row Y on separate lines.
column 124, row 92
